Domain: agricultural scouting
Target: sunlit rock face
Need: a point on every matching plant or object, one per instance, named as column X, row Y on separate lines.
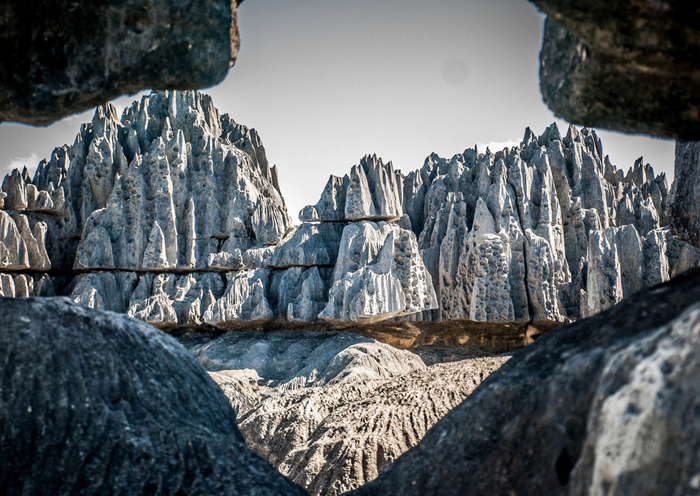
column 172, row 214
column 547, row 230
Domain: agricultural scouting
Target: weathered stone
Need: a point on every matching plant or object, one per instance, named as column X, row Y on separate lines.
column 98, row 424
column 604, row 406
column 684, row 203
column 631, row 66
column 88, row 54
column 379, row 274
column 329, row 409
column 372, row 191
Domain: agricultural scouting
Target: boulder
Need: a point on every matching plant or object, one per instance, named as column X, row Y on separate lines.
column 89, row 54
column 98, row 403
column 604, row 406
column 630, row 66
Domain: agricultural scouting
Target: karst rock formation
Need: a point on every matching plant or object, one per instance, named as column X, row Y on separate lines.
column 173, row 215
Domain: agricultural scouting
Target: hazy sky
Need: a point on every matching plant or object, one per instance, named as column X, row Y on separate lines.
column 327, row 81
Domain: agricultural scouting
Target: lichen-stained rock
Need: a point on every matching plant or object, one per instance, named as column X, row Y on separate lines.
column 98, row 422
column 608, row 65
column 371, row 191
column 332, row 409
column 90, row 54
column 684, row 204
column 604, row 406
column 379, row 274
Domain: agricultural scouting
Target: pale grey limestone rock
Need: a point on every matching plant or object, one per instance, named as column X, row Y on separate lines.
column 243, row 301
column 546, row 196
column 331, row 409
column 371, row 191
column 167, row 162
column 13, row 249
column 299, row 293
column 684, row 206
column 379, row 274
column 15, row 190
column 185, row 201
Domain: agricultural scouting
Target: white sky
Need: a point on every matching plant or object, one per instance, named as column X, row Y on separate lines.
column 327, row 81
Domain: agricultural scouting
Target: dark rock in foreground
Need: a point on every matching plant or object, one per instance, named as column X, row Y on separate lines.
column 97, row 403
column 63, row 57
column 630, row 66
column 608, row 405
column 685, row 194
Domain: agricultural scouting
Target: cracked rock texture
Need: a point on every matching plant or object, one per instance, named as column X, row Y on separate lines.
column 90, row 53
column 82, row 410
column 331, row 410
column 607, row 405
column 630, row 66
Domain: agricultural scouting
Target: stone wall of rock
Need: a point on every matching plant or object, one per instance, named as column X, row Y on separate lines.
column 172, row 214
column 547, row 230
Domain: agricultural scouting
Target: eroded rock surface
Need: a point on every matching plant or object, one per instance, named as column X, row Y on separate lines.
column 98, row 403
column 684, row 205
column 630, row 66
column 547, row 230
column 172, row 214
column 331, row 410
column 604, row 406
column 91, row 53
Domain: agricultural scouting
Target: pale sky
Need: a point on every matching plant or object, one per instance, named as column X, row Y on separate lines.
column 327, row 81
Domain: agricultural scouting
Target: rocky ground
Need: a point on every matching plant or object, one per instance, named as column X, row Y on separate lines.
column 331, row 410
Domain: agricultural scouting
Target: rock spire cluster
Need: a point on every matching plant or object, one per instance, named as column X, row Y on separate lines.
column 172, row 214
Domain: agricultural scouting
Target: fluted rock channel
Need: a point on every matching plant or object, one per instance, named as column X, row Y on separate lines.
column 171, row 214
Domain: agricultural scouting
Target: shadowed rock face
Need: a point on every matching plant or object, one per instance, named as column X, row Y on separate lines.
column 684, row 207
column 98, row 403
column 607, row 405
column 631, row 66
column 63, row 57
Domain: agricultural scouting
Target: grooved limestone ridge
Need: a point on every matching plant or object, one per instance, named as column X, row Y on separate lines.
column 172, row 214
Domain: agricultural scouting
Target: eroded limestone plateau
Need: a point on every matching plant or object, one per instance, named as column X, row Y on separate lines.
column 330, row 410
column 172, row 214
